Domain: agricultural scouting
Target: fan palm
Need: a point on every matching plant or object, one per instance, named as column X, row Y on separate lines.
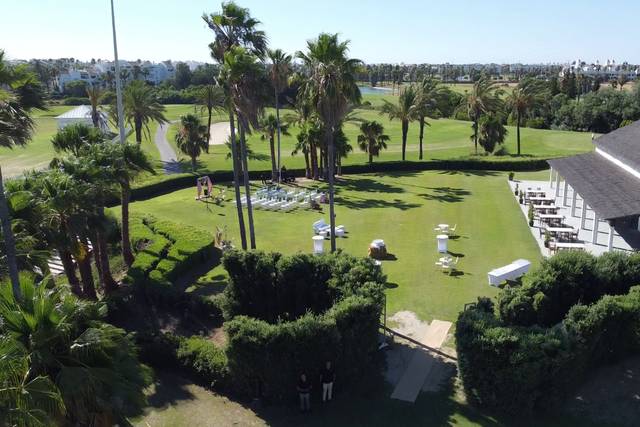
column 331, row 89
column 20, row 92
column 529, row 94
column 73, row 363
column 483, row 98
column 406, row 110
column 279, row 73
column 234, row 26
column 76, row 138
column 141, row 107
column 191, row 138
column 430, row 93
column 211, row 98
column 270, row 126
column 372, row 139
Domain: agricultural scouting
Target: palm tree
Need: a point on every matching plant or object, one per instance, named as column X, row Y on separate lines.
column 528, row 95
column 124, row 162
column 141, row 107
column 372, row 139
column 109, row 78
column 269, row 126
column 211, row 98
column 76, row 138
column 191, row 138
column 279, row 73
column 430, row 93
column 406, row 111
column 331, row 89
column 94, row 94
column 244, row 78
column 73, row 363
column 20, row 92
column 483, row 98
column 233, row 26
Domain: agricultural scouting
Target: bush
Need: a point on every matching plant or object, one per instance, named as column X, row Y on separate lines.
column 537, row 123
column 204, row 359
column 75, row 101
column 517, row 369
column 308, row 309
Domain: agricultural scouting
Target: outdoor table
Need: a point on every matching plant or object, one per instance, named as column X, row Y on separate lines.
column 535, row 193
column 442, row 243
column 551, row 218
column 542, row 200
column 544, row 209
column 443, row 227
column 569, row 246
column 445, row 259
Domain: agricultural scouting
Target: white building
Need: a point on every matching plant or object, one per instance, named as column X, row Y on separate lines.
column 76, row 75
column 82, row 114
column 607, row 71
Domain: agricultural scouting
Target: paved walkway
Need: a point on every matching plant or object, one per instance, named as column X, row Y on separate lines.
column 167, row 154
column 415, row 377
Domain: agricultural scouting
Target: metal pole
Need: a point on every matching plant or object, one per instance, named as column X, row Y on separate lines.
column 118, row 86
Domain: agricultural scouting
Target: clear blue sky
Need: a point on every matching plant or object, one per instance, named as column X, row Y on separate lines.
column 410, row 31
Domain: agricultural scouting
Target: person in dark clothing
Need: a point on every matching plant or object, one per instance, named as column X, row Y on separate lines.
column 327, row 377
column 304, row 391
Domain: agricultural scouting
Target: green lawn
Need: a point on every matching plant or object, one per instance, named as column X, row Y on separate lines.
column 402, row 209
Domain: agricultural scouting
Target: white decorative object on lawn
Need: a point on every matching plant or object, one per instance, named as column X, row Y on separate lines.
column 318, row 244
column 443, row 240
column 509, row 272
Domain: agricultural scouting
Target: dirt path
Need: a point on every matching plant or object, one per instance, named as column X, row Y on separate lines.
column 167, row 154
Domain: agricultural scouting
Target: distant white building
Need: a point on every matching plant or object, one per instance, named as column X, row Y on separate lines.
column 76, row 75
column 82, row 114
column 607, row 71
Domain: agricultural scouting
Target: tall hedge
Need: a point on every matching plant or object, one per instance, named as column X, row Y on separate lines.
column 564, row 280
column 290, row 314
column 516, row 369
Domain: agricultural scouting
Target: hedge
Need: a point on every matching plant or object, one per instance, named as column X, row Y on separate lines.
column 517, row 369
column 564, row 280
column 309, row 309
column 204, row 359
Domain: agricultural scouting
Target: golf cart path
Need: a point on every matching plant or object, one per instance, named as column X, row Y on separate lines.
column 167, row 154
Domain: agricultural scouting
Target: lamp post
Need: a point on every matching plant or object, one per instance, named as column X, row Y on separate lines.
column 118, row 85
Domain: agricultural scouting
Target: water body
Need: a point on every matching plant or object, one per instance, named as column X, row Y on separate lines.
column 368, row 90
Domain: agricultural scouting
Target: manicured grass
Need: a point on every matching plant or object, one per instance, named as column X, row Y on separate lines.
column 39, row 152
column 402, row 209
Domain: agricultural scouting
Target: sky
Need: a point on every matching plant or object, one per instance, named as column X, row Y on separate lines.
column 409, row 31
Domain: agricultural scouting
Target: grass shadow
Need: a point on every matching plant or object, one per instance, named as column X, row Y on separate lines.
column 446, row 194
column 367, row 185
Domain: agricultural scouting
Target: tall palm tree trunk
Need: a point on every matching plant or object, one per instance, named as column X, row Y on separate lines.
column 518, row 132
column 9, row 242
column 102, row 257
column 307, row 168
column 475, row 133
column 370, row 152
column 278, row 126
column 127, row 253
column 236, row 182
column 86, row 274
column 247, row 186
column 314, row 161
column 332, row 218
column 421, row 135
column 405, row 130
column 70, row 270
column 209, row 110
column 138, row 126
column 275, row 173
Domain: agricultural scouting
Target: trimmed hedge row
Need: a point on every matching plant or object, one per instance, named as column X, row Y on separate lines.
column 517, row 369
column 180, row 181
column 565, row 280
column 307, row 310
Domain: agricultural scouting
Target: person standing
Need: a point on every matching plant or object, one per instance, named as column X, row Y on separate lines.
column 304, row 391
column 327, row 377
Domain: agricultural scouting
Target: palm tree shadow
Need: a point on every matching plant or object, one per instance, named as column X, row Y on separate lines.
column 446, row 194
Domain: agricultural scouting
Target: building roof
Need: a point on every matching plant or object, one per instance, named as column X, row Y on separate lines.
column 80, row 112
column 611, row 191
column 623, row 144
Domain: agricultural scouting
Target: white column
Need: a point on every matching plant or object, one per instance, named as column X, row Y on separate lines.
column 594, row 235
column 574, row 199
column 557, row 183
column 583, row 218
column 564, row 193
column 610, row 236
column 551, row 177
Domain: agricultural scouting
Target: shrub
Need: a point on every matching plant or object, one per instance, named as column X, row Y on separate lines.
column 307, row 309
column 537, row 123
column 203, row 358
column 74, row 100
